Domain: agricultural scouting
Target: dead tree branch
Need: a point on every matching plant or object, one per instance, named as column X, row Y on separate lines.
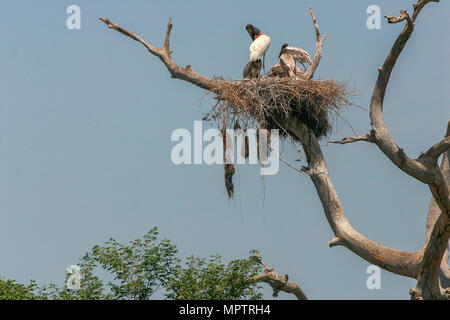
column 425, row 168
column 278, row 282
column 397, row 261
column 433, row 214
column 318, row 55
column 439, row 148
column 367, row 137
column 402, row 16
column 421, row 169
column 164, row 54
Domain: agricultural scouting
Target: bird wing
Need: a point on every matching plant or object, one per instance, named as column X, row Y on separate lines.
column 299, row 55
column 287, row 62
column 259, row 47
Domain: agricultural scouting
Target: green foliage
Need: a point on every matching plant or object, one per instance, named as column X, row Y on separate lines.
column 141, row 268
column 10, row 290
column 212, row 280
column 91, row 287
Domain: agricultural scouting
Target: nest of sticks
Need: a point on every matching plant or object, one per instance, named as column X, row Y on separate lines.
column 267, row 101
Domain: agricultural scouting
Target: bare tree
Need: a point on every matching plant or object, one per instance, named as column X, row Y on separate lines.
column 428, row 265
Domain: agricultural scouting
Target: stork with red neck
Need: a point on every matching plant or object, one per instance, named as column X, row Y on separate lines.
column 260, row 44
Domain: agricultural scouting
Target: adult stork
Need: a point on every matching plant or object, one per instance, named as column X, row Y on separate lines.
column 299, row 55
column 260, row 44
column 251, row 69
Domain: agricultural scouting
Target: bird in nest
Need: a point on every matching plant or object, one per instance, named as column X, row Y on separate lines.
column 251, row 69
column 298, row 54
column 260, row 44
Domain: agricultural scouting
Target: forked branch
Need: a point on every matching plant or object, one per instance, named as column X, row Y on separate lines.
column 425, row 168
column 397, row 261
column 278, row 282
column 439, row 148
column 318, row 55
column 164, row 54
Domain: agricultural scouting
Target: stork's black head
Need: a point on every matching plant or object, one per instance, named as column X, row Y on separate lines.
column 252, row 31
column 282, row 49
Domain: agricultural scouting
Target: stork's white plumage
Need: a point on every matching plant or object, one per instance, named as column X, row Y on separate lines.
column 259, row 47
column 260, row 44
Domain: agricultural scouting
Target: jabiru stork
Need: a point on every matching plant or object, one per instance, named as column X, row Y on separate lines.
column 260, row 44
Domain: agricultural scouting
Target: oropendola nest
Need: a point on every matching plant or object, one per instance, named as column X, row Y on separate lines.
column 265, row 102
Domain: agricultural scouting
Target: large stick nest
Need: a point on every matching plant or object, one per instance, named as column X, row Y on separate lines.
column 266, row 102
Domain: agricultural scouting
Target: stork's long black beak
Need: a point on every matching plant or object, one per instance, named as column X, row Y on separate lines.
column 250, row 32
column 282, row 49
column 249, row 29
column 281, row 52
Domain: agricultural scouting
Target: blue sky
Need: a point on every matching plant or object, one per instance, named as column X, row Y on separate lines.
column 86, row 118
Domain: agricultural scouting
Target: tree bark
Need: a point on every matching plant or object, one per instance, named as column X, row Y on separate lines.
column 278, row 282
column 433, row 214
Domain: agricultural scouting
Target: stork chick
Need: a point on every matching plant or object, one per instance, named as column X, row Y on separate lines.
column 299, row 55
column 251, row 69
column 260, row 44
column 287, row 64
